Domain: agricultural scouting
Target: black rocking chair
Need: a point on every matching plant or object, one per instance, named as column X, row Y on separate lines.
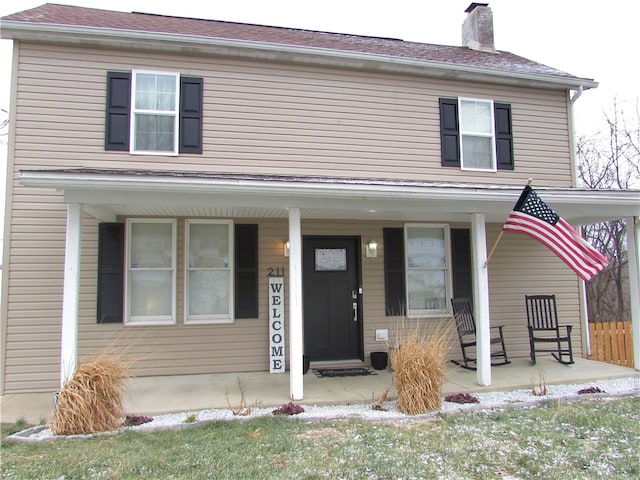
column 466, row 326
column 542, row 323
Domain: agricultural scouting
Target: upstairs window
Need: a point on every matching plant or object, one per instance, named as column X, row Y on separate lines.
column 154, row 113
column 154, row 128
column 476, row 134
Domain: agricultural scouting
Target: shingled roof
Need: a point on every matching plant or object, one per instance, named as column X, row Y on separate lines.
column 69, row 20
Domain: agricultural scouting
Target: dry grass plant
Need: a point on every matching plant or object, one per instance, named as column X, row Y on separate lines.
column 92, row 401
column 243, row 409
column 418, row 363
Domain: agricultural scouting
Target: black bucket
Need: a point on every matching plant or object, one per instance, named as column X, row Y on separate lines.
column 379, row 360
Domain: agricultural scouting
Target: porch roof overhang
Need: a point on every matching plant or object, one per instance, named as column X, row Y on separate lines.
column 107, row 193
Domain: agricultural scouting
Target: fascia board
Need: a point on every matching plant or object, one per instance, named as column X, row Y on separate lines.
column 309, row 188
column 62, row 181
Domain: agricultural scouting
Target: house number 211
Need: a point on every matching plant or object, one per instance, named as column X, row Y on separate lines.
column 275, row 272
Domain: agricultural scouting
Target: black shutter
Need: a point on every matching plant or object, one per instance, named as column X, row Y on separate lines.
column 110, row 272
column 449, row 132
column 190, row 115
column 504, row 136
column 461, row 262
column 118, row 108
column 246, row 266
column 394, row 271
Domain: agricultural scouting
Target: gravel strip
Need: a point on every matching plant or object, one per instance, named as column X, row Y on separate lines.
column 486, row 401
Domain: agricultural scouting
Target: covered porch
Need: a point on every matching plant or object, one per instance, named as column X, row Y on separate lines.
column 109, row 194
column 189, row 393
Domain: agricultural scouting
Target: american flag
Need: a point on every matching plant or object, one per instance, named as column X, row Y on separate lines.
column 532, row 217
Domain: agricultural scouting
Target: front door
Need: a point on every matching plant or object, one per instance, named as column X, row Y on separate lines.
column 332, row 307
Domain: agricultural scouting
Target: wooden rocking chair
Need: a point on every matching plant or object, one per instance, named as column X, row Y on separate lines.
column 466, row 327
column 542, row 323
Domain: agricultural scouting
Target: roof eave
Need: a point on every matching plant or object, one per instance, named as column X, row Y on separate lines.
column 578, row 206
column 135, row 39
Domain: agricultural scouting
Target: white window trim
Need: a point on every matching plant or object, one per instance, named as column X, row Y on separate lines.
column 492, row 135
column 149, row 320
column 174, row 113
column 209, row 319
column 448, row 273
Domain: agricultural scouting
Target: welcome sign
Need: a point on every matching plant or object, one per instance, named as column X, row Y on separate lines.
column 276, row 325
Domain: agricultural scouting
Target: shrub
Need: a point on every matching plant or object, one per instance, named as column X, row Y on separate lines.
column 135, row 420
column 91, row 401
column 589, row 390
column 290, row 408
column 461, row 398
column 418, row 362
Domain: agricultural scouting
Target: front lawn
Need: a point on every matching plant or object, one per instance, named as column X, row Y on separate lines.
column 585, row 439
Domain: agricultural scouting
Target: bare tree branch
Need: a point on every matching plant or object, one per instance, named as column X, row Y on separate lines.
column 611, row 163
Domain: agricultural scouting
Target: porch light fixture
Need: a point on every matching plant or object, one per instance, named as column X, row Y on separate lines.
column 372, row 248
column 285, row 248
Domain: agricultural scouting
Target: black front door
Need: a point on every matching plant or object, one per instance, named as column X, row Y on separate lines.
column 332, row 307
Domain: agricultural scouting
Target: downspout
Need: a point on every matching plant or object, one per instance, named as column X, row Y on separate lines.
column 582, row 286
column 572, row 136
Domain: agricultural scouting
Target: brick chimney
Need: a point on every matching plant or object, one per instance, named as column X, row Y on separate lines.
column 477, row 29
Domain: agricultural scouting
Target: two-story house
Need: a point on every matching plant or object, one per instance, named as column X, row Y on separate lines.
column 210, row 197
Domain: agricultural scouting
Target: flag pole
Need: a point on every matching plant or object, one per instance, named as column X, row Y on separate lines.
column 495, row 245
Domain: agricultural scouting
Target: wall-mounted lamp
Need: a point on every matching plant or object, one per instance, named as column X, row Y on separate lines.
column 285, row 248
column 372, row 248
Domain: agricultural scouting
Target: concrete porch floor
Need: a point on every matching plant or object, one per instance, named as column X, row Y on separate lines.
column 166, row 394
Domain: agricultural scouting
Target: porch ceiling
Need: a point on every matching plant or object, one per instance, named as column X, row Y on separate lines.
column 108, row 193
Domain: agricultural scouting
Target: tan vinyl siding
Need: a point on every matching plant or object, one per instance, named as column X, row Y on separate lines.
column 259, row 119
column 521, row 266
column 281, row 119
column 243, row 345
column 187, row 349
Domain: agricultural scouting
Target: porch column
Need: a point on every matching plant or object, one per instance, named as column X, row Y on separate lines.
column 71, row 291
column 481, row 298
column 633, row 246
column 296, row 346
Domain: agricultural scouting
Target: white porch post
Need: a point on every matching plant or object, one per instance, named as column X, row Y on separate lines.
column 71, row 291
column 481, row 298
column 296, row 347
column 633, row 245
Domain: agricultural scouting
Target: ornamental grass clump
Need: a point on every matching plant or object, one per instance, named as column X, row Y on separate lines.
column 418, row 363
column 92, row 401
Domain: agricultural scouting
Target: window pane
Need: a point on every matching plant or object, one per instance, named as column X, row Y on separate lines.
column 166, row 98
column 475, row 116
column 155, row 92
column 208, row 292
column 426, row 247
column 145, row 91
column 209, row 245
column 151, row 293
column 151, row 245
column 427, row 289
column 154, row 133
column 477, row 152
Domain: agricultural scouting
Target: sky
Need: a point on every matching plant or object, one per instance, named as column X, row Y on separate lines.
column 588, row 39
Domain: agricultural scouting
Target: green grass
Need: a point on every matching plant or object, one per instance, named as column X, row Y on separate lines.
column 556, row 440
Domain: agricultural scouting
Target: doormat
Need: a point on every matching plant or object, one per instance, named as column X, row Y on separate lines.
column 341, row 372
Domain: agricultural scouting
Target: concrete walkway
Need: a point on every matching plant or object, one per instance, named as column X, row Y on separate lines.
column 156, row 395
